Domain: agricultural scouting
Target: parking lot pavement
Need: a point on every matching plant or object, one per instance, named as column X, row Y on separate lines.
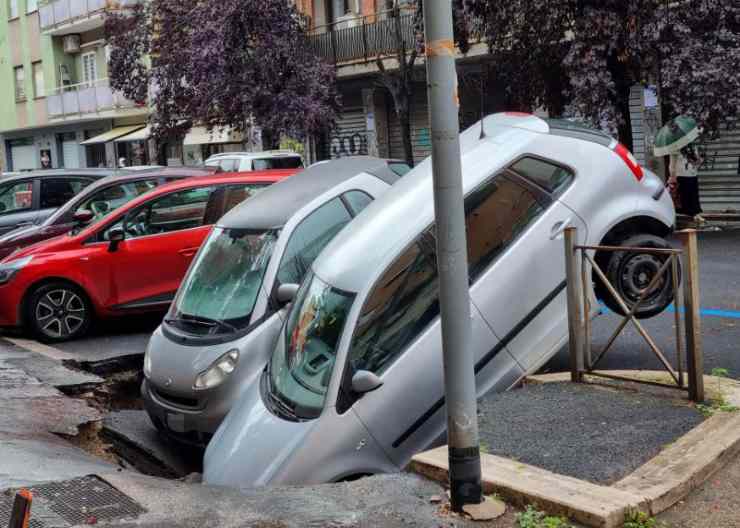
column 34, row 415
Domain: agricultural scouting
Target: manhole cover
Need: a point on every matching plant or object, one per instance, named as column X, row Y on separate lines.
column 71, row 502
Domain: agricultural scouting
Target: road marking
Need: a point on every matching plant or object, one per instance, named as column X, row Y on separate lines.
column 40, row 348
column 708, row 312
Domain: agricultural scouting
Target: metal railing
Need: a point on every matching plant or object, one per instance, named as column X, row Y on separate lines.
column 689, row 351
column 364, row 37
column 85, row 98
column 57, row 12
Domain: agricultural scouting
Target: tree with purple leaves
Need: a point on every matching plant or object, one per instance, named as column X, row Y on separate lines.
column 222, row 63
column 589, row 53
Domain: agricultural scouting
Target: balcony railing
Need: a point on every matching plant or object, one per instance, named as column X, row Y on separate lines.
column 364, row 38
column 59, row 12
column 85, row 98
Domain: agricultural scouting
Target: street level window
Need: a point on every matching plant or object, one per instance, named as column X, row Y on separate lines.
column 20, row 84
column 31, row 6
column 13, row 9
column 38, row 79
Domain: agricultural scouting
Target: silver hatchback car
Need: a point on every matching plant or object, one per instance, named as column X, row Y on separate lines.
column 223, row 323
column 355, row 384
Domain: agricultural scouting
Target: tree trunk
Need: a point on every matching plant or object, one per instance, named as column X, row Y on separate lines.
column 270, row 141
column 408, row 149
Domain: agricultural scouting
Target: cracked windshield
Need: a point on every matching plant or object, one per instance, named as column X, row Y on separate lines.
column 301, row 368
column 220, row 293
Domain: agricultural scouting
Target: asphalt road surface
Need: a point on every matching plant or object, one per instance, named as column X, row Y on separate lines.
column 720, row 302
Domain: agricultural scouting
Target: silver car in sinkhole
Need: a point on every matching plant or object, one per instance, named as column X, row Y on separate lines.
column 355, row 382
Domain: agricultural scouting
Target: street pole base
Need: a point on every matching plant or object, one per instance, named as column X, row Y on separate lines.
column 465, row 477
column 487, row 510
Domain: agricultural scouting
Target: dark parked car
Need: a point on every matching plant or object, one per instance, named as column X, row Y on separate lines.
column 96, row 201
column 30, row 198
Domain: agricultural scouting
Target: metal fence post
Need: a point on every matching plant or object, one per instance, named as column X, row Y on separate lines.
column 694, row 350
column 20, row 516
column 575, row 321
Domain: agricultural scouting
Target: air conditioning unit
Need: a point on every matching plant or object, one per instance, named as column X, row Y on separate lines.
column 71, row 44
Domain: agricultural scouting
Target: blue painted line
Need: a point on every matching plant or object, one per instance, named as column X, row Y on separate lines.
column 708, row 312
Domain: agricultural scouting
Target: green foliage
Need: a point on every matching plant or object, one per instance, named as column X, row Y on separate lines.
column 638, row 519
column 533, row 518
column 720, row 372
column 718, row 404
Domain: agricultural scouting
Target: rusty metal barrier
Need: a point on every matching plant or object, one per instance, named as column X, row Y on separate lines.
column 579, row 262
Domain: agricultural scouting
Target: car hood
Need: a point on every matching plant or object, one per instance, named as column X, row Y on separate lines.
column 51, row 245
column 252, row 444
column 27, row 236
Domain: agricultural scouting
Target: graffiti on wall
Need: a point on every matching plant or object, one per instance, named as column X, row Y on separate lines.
column 348, row 145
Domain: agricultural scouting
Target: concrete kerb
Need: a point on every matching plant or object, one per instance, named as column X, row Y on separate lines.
column 652, row 488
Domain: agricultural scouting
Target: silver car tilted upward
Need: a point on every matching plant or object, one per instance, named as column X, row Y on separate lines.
column 354, row 386
column 223, row 323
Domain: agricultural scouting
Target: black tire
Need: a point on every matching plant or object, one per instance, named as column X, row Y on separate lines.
column 58, row 311
column 631, row 273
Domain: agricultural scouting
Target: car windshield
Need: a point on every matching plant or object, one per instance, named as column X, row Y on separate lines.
column 102, row 202
column 220, row 291
column 301, row 367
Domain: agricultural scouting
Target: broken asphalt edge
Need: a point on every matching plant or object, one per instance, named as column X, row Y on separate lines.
column 652, row 488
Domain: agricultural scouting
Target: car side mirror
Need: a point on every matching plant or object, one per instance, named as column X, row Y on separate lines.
column 115, row 237
column 83, row 216
column 365, row 381
column 286, row 293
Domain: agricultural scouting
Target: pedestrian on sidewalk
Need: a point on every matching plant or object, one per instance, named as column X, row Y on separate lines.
column 684, row 168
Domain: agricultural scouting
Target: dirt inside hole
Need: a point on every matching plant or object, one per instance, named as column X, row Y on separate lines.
column 89, row 438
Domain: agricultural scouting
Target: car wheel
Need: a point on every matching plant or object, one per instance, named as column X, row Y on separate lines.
column 57, row 312
column 631, row 273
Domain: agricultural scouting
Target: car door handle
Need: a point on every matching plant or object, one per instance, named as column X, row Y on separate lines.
column 559, row 228
column 188, row 252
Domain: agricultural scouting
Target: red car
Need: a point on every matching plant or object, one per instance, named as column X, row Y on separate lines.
column 130, row 261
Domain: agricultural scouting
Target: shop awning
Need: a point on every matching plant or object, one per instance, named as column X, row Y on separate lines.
column 201, row 136
column 140, row 135
column 111, row 135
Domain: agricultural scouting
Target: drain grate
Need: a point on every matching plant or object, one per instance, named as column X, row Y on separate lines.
column 72, row 502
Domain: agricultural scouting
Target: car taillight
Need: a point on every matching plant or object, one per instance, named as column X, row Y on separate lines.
column 630, row 160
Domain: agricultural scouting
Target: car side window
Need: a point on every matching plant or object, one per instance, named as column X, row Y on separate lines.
column 495, row 215
column 107, row 200
column 357, row 201
column 16, row 197
column 229, row 164
column 549, row 176
column 55, row 192
column 405, row 300
column 173, row 212
column 226, row 197
column 309, row 238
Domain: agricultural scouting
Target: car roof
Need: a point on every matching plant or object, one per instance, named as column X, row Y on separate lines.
column 263, row 154
column 56, row 173
column 354, row 256
column 267, row 176
column 128, row 177
column 274, row 206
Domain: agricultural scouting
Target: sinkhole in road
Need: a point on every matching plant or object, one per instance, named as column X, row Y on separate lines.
column 124, row 436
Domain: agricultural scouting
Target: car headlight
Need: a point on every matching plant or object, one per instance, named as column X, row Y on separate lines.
column 217, row 372
column 9, row 269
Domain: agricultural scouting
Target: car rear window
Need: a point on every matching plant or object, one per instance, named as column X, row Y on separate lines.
column 292, row 162
column 551, row 177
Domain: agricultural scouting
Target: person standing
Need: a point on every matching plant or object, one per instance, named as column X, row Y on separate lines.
column 684, row 170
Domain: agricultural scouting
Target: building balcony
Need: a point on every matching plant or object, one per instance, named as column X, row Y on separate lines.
column 62, row 17
column 365, row 38
column 89, row 100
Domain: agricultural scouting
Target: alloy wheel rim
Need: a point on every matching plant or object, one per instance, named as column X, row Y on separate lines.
column 60, row 313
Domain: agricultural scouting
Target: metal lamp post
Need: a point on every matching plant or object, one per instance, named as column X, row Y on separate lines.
column 452, row 258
